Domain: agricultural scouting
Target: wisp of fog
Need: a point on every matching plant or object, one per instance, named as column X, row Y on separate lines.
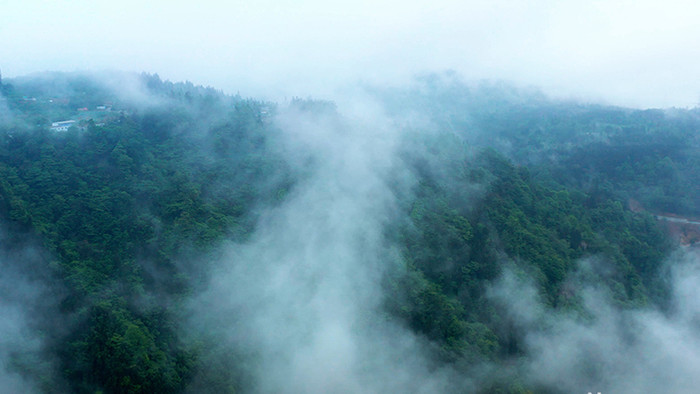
column 304, row 295
column 29, row 314
column 608, row 348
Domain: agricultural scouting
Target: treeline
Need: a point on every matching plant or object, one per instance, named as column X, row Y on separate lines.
column 652, row 156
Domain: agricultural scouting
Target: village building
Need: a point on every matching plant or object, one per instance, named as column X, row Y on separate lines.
column 63, row 125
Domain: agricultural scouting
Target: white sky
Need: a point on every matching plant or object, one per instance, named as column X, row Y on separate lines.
column 637, row 53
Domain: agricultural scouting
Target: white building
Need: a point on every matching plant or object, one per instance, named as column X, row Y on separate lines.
column 63, row 125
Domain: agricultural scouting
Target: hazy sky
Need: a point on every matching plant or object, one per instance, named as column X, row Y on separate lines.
column 640, row 53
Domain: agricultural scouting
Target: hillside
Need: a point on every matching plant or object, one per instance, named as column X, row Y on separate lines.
column 443, row 238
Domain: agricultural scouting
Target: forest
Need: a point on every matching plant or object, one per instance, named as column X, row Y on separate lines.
column 179, row 239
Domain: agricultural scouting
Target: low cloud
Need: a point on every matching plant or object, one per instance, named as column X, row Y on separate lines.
column 28, row 309
column 301, row 301
column 606, row 348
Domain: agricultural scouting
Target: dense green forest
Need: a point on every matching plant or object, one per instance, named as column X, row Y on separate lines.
column 131, row 205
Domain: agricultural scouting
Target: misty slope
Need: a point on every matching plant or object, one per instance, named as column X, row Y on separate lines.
column 196, row 242
column 648, row 155
column 116, row 205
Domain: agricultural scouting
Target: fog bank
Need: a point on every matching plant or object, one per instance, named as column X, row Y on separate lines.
column 607, row 348
column 28, row 310
column 641, row 54
column 303, row 297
